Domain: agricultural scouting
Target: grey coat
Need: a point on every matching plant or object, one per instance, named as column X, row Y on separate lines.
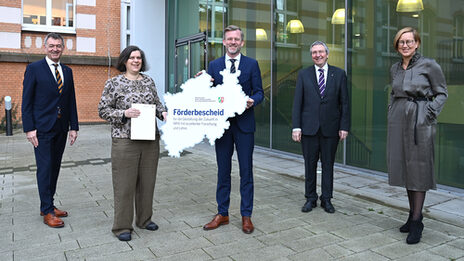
column 417, row 97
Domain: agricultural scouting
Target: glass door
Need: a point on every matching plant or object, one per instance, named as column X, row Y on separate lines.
column 190, row 57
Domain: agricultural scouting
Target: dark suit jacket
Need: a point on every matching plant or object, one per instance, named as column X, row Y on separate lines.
column 329, row 113
column 250, row 80
column 41, row 99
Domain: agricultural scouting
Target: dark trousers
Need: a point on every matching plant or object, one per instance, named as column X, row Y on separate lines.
column 315, row 146
column 48, row 160
column 244, row 144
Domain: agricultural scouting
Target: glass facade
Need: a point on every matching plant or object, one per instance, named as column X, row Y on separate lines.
column 278, row 34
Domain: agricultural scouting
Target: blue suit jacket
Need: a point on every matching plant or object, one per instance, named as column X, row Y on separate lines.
column 329, row 113
column 250, row 80
column 41, row 99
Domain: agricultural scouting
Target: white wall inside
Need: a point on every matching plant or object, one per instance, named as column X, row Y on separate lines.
column 148, row 30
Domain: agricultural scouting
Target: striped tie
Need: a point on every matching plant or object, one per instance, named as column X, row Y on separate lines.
column 59, row 81
column 321, row 82
column 232, row 67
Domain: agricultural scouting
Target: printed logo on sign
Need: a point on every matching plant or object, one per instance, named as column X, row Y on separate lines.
column 220, row 99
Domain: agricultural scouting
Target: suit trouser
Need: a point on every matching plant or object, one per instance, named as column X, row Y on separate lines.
column 244, row 143
column 48, row 157
column 314, row 146
column 134, row 166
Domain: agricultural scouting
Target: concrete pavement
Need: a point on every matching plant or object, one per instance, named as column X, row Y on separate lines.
column 364, row 226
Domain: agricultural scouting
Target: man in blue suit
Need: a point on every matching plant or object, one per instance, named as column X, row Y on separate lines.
column 320, row 119
column 49, row 112
column 240, row 132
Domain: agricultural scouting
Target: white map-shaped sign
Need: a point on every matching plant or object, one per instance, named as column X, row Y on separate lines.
column 201, row 111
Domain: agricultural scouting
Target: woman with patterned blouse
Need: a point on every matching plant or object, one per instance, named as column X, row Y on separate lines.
column 134, row 162
column 418, row 95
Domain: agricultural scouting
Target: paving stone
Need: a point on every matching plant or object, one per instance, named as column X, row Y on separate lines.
column 361, row 244
column 135, row 255
column 229, row 249
column 400, row 249
column 193, row 255
column 448, row 251
column 365, row 256
column 424, row 256
column 267, row 253
column 98, row 250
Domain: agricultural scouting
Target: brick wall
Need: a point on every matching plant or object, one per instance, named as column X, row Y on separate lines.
column 88, row 80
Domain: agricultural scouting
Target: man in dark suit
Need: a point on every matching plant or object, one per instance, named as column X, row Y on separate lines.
column 48, row 113
column 320, row 119
column 240, row 132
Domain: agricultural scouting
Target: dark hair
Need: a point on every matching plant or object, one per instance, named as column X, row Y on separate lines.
column 232, row 28
column 398, row 35
column 124, row 56
column 54, row 36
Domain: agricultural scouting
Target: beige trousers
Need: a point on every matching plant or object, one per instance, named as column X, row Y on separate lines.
column 134, row 166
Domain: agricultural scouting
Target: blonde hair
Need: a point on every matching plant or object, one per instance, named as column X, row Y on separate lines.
column 406, row 30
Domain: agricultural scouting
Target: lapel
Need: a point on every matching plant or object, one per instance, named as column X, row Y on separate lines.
column 313, row 80
column 329, row 85
column 49, row 74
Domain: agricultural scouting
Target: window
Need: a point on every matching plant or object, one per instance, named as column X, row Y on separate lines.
column 458, row 38
column 49, row 15
column 125, row 23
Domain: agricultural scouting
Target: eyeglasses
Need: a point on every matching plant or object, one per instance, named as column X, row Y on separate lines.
column 407, row 42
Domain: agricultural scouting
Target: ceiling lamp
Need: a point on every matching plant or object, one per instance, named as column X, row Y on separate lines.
column 295, row 27
column 261, row 34
column 339, row 16
column 409, row 6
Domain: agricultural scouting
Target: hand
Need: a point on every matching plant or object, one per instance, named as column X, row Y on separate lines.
column 250, row 103
column 132, row 113
column 72, row 137
column 296, row 136
column 343, row 134
column 32, row 138
column 165, row 115
column 198, row 74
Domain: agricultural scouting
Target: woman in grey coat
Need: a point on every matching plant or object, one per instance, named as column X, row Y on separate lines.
column 417, row 97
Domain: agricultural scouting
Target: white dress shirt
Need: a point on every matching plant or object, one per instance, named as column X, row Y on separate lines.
column 237, row 61
column 52, row 68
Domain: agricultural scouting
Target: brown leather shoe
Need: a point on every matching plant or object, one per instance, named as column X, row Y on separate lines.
column 53, row 221
column 58, row 213
column 247, row 226
column 216, row 222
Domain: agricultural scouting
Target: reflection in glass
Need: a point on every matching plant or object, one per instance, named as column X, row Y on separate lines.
column 34, row 12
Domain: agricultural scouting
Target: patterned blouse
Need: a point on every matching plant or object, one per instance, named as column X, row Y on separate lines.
column 119, row 94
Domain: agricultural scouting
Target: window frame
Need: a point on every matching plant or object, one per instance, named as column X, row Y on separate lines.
column 48, row 27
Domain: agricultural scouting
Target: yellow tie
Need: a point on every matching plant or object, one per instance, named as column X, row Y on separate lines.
column 59, row 81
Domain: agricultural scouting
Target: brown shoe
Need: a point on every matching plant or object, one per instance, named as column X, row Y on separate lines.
column 216, row 222
column 247, row 226
column 58, row 213
column 53, row 221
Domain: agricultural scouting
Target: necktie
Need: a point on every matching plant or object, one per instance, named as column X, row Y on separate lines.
column 232, row 67
column 59, row 81
column 321, row 82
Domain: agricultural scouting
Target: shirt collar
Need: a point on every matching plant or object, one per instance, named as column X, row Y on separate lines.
column 50, row 62
column 325, row 67
column 237, row 58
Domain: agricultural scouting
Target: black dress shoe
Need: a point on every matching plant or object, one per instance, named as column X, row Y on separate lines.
column 309, row 205
column 327, row 206
column 415, row 231
column 125, row 236
column 151, row 226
